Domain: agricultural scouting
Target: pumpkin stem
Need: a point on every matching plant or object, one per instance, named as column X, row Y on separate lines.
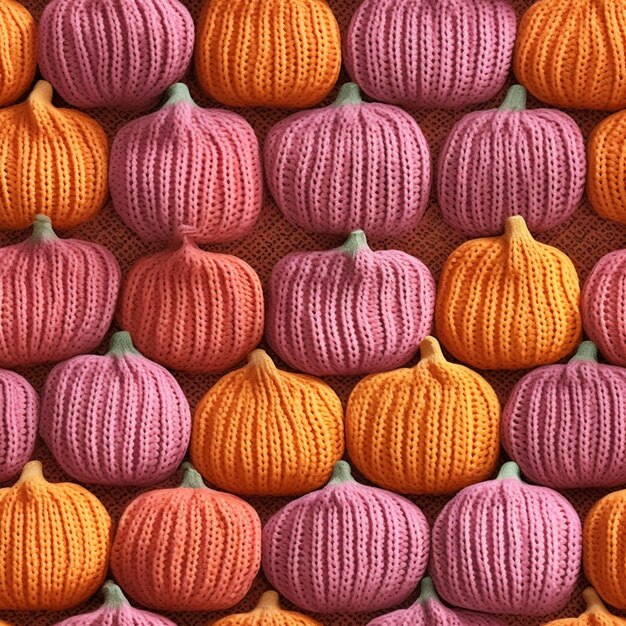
column 348, row 94
column 42, row 92
column 178, row 92
column 515, row 99
column 33, row 471
column 269, row 601
column 192, row 478
column 427, row 591
column 114, row 597
column 515, row 227
column 355, row 242
column 510, row 470
column 587, row 351
column 261, row 360
column 341, row 474
column 430, row 350
column 42, row 229
column 593, row 600
column 122, row 344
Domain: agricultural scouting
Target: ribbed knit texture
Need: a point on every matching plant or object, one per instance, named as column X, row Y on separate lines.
column 188, row 548
column 564, row 424
column 58, row 297
column 508, row 302
column 604, row 306
column 53, row 162
column 349, row 310
column 270, row 53
column 429, row 429
column 507, row 547
column 352, row 165
column 18, row 50
column 187, row 170
column 595, row 615
column 19, row 414
column 347, row 548
column 54, row 544
column 431, row 53
column 573, row 55
column 262, row 431
column 193, row 310
column 112, row 53
column 511, row 161
column 117, row 419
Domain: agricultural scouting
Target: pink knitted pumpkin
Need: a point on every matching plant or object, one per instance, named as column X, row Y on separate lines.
column 431, row 53
column 349, row 310
column 19, row 409
column 564, row 424
column 511, row 161
column 604, row 306
column 58, row 297
column 108, row 53
column 351, row 165
column 189, row 170
column 346, row 548
column 503, row 546
column 117, row 419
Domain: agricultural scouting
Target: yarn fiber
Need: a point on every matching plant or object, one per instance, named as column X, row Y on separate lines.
column 595, row 615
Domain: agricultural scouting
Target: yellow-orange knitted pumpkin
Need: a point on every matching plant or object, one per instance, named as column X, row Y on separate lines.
column 428, row 429
column 54, row 543
column 508, row 302
column 53, row 162
column 263, row 431
column 595, row 615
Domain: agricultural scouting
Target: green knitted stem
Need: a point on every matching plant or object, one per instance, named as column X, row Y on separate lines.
column 121, row 344
column 515, row 99
column 430, row 350
column 41, row 91
column 42, row 229
column 192, row 478
column 178, row 92
column 260, row 358
column 515, row 226
column 269, row 601
column 348, row 94
column 593, row 601
column 356, row 241
column 587, row 351
column 113, row 596
column 341, row 474
column 427, row 591
column 510, row 470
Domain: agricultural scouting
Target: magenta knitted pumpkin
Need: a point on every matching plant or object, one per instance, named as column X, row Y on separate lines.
column 431, row 53
column 107, row 53
column 349, row 310
column 19, row 409
column 604, row 306
column 118, row 419
column 188, row 170
column 503, row 546
column 351, row 165
column 346, row 548
column 58, row 297
column 511, row 161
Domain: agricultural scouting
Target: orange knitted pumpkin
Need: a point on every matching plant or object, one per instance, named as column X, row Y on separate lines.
column 54, row 544
column 595, row 615
column 261, row 431
column 271, row 53
column 53, row 162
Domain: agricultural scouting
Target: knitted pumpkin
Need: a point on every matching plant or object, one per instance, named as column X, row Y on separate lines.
column 420, row 53
column 106, row 53
column 573, row 55
column 54, row 544
column 193, row 310
column 349, row 310
column 564, row 424
column 350, row 165
column 429, row 429
column 595, row 615
column 511, row 161
column 503, row 546
column 189, row 170
column 267, row 53
column 346, row 548
column 18, row 50
column 117, row 419
column 19, row 414
column 508, row 302
column 188, row 548
column 262, row 431
column 604, row 306
column 53, row 162
column 58, row 297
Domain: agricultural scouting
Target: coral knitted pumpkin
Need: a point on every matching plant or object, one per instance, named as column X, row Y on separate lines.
column 53, row 162
column 511, row 161
column 54, row 544
column 187, row 170
column 187, row 549
column 58, row 297
column 349, row 310
column 595, row 615
column 351, row 165
column 421, row 53
column 429, row 429
column 262, row 431
column 564, row 424
column 503, row 546
column 267, row 53
column 508, row 302
column 346, row 548
column 574, row 55
column 193, row 310
column 117, row 419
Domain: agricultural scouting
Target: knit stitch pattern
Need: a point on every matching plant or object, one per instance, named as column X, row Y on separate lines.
column 595, row 615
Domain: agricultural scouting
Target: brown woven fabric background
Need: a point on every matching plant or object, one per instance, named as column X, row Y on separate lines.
column 585, row 238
